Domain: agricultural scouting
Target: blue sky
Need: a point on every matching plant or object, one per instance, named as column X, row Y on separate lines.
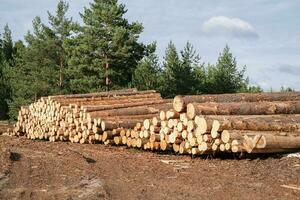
column 264, row 35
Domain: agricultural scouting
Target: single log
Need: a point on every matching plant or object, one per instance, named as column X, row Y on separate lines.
column 172, row 114
column 286, row 123
column 180, row 102
column 273, row 140
column 243, row 108
column 110, row 125
column 162, row 115
column 128, row 117
column 140, row 110
column 228, row 136
column 105, row 101
column 109, row 106
column 155, row 121
column 126, row 92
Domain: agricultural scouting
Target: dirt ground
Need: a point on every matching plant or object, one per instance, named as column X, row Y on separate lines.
column 44, row 170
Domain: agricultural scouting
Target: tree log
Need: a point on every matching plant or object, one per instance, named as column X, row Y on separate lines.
column 286, row 123
column 243, row 108
column 148, row 102
column 180, row 102
column 126, row 92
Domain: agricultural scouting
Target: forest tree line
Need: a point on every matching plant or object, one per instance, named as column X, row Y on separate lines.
column 61, row 56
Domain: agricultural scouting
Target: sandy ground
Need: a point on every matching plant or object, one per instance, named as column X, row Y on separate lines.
column 44, row 170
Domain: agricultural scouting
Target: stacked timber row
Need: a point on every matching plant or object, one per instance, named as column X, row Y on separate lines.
column 206, row 124
column 202, row 124
column 85, row 118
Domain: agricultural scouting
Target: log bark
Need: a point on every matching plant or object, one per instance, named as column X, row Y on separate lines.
column 107, row 100
column 143, row 102
column 140, row 110
column 180, row 102
column 286, row 123
column 126, row 92
column 243, row 108
column 110, row 125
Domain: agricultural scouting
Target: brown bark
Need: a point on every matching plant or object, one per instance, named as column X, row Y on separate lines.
column 141, row 110
column 125, row 92
column 118, row 105
column 180, row 102
column 129, row 117
column 110, row 125
column 273, row 141
column 102, row 101
column 243, row 108
column 285, row 123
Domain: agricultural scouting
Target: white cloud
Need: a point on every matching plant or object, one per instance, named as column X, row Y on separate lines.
column 228, row 27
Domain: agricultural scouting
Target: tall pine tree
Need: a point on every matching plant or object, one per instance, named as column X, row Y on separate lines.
column 40, row 65
column 171, row 65
column 225, row 77
column 190, row 73
column 106, row 50
column 147, row 75
column 35, row 71
column 6, row 60
column 61, row 28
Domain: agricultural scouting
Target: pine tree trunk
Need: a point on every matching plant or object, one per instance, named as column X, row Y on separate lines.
column 180, row 102
column 243, row 108
column 61, row 75
column 286, row 123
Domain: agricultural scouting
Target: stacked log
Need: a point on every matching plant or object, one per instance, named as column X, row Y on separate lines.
column 84, row 118
column 195, row 125
column 250, row 123
column 244, row 121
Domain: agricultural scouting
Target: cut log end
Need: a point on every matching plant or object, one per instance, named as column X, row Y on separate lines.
column 178, row 104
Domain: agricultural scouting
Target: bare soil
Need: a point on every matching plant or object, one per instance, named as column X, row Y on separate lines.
column 44, row 170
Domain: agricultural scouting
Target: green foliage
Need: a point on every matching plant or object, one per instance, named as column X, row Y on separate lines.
column 39, row 67
column 104, row 53
column 171, row 67
column 224, row 77
column 147, row 75
column 251, row 89
column 182, row 74
column 35, row 70
column 7, row 44
column 60, row 30
column 6, row 60
column 106, row 47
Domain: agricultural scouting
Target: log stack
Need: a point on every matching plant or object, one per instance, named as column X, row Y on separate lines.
column 208, row 124
column 83, row 118
column 196, row 125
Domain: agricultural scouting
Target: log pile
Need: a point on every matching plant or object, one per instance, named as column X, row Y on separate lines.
column 84, row 118
column 208, row 124
column 196, row 125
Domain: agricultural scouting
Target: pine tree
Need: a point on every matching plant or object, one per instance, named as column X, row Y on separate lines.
column 147, row 75
column 171, row 66
column 6, row 60
column 61, row 29
column 7, row 44
column 106, row 50
column 190, row 78
column 35, row 71
column 225, row 77
column 182, row 75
